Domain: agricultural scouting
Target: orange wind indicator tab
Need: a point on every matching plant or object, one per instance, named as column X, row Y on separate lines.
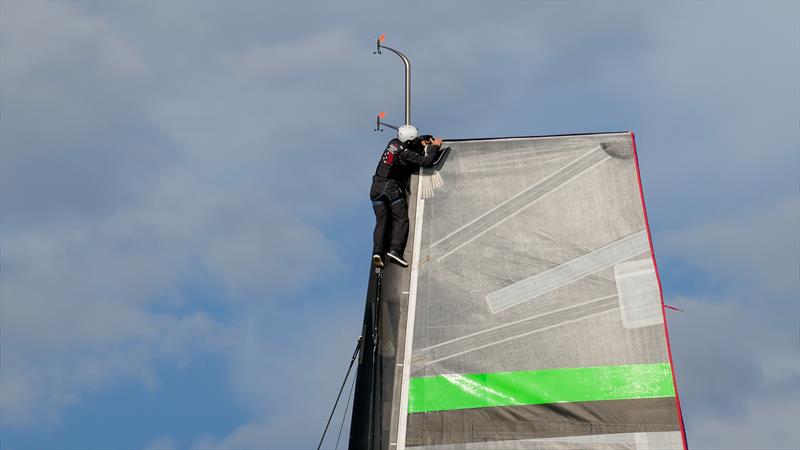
column 381, row 114
column 382, row 37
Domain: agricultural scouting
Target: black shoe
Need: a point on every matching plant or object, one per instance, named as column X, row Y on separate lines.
column 376, row 258
column 396, row 259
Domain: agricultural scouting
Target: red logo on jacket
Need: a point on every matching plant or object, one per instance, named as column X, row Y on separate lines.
column 388, row 155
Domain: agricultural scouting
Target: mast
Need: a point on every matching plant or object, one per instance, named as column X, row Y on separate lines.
column 377, row 374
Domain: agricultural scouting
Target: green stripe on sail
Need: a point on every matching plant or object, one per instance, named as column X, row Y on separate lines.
column 535, row 387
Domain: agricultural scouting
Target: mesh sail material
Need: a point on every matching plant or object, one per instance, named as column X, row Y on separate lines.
column 534, row 316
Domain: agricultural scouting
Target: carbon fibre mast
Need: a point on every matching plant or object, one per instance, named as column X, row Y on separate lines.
column 375, row 406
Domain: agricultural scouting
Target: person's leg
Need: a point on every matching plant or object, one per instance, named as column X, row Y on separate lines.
column 399, row 211
column 380, row 208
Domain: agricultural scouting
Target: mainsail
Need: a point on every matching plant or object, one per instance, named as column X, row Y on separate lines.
column 531, row 316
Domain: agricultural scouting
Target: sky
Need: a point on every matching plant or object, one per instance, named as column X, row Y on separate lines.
column 185, row 229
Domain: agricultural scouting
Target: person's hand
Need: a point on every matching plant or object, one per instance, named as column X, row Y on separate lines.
column 437, row 141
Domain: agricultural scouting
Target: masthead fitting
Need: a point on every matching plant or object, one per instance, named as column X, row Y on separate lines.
column 407, row 65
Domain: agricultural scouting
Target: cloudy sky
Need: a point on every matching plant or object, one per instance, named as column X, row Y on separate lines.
column 185, row 229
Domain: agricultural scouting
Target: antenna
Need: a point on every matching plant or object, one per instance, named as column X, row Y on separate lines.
column 407, row 64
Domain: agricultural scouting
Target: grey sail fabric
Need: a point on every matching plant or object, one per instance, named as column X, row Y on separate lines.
column 534, row 316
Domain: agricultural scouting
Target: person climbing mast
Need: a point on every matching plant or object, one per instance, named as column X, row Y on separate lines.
column 402, row 156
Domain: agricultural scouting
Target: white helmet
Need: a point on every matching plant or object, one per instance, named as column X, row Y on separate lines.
column 407, row 133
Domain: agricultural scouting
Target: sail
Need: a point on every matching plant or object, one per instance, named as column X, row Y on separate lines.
column 532, row 315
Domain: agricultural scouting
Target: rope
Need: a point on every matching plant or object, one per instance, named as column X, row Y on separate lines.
column 344, row 382
column 344, row 415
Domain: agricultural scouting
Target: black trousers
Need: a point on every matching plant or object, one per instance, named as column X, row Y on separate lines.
column 391, row 216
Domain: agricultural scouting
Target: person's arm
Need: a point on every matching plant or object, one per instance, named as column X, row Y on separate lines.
column 411, row 157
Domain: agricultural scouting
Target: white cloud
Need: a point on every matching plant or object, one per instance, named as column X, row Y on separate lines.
column 84, row 294
column 75, row 142
column 757, row 249
column 162, row 443
column 289, row 383
column 77, row 303
column 769, row 422
column 738, row 371
column 721, row 130
column 44, row 34
column 737, row 352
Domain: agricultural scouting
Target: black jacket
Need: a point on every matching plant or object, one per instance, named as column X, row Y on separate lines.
column 400, row 160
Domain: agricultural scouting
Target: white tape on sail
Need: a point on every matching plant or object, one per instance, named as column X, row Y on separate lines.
column 639, row 297
column 517, row 203
column 568, row 272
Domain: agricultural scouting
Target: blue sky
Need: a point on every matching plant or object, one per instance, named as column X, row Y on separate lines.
column 185, row 231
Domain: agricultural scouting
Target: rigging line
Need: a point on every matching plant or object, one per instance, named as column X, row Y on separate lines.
column 344, row 382
column 344, row 416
